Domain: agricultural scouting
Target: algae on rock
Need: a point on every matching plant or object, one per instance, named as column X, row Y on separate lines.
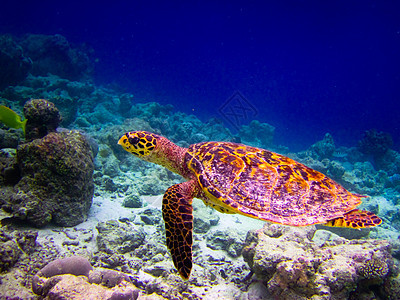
column 295, row 267
column 56, row 182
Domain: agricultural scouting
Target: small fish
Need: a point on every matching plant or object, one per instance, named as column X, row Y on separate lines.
column 11, row 119
column 339, row 154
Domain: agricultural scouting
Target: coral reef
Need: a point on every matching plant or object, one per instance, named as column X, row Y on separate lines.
column 75, row 288
column 363, row 179
column 295, row 267
column 75, row 265
column 133, row 201
column 351, row 168
column 56, row 180
column 377, row 146
column 389, row 162
column 324, row 148
column 257, row 134
column 66, row 95
column 21, row 257
column 336, row 170
column 14, row 65
column 107, row 277
column 375, row 143
column 53, row 54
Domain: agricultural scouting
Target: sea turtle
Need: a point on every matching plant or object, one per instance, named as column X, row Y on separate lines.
column 235, row 178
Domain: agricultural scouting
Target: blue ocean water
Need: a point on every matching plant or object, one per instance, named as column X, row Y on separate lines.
column 308, row 68
column 305, row 67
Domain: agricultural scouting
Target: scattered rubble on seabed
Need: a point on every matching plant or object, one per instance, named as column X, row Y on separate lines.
column 278, row 262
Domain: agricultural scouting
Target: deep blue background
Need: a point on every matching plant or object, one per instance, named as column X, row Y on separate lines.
column 309, row 67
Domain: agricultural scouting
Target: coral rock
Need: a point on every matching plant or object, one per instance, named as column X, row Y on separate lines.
column 375, row 143
column 257, row 134
column 204, row 218
column 9, row 253
column 52, row 281
column 13, row 244
column 324, row 148
column 230, row 241
column 56, row 183
column 132, row 201
column 294, row 267
column 336, row 170
column 76, row 288
column 53, row 54
column 116, row 237
column 107, row 277
column 14, row 65
column 43, row 118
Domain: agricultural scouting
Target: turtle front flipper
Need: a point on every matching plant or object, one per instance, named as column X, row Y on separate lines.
column 355, row 219
column 178, row 217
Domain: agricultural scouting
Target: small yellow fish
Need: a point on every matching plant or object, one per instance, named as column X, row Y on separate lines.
column 11, row 119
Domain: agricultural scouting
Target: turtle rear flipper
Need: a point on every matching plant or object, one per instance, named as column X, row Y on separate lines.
column 178, row 217
column 355, row 219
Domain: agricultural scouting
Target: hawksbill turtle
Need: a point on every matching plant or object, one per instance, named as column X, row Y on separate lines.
column 235, row 178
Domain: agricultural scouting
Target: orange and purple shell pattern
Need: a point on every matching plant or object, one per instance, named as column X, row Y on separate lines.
column 268, row 186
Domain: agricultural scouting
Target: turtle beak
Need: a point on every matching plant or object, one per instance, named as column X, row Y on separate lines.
column 122, row 140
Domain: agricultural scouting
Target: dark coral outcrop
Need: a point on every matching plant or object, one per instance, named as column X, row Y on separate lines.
column 54, row 54
column 375, row 143
column 14, row 65
column 43, row 118
column 324, row 148
column 56, row 182
column 13, row 244
column 257, row 134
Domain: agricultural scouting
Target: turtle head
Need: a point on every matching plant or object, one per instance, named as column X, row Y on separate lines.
column 140, row 143
column 156, row 149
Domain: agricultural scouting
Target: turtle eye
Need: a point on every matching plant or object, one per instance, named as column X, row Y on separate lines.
column 134, row 140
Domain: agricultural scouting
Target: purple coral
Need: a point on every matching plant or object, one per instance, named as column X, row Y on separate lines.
column 109, row 283
column 75, row 265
